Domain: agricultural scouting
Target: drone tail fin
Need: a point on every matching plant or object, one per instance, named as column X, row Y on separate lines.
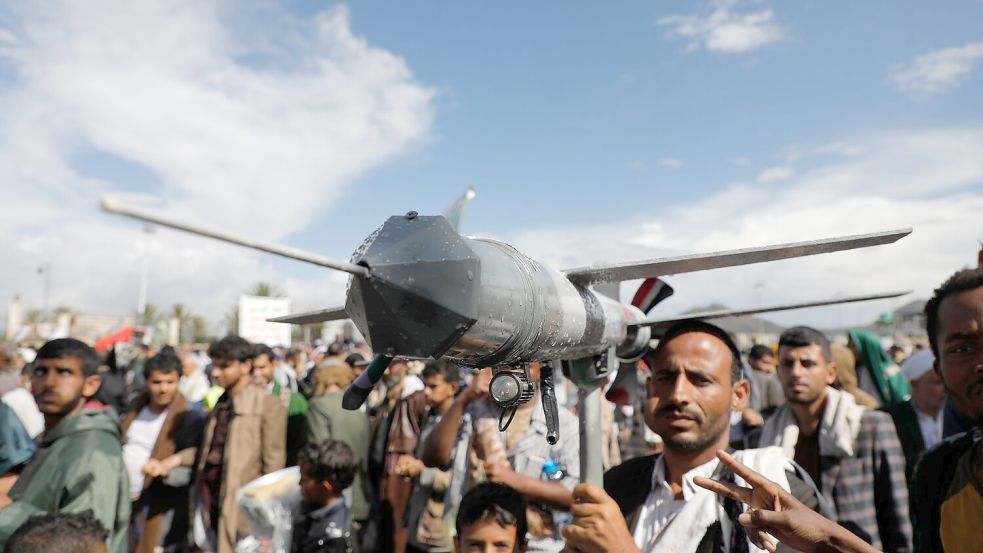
column 311, row 317
column 455, row 212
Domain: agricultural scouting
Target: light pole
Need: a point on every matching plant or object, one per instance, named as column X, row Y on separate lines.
column 148, row 229
column 45, row 272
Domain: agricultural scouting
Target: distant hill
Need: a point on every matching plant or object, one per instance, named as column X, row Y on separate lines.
column 746, row 324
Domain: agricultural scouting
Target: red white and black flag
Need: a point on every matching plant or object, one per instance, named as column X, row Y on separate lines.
column 651, row 292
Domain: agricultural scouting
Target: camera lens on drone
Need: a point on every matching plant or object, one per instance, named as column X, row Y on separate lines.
column 504, row 388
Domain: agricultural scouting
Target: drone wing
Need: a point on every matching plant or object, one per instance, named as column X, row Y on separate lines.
column 718, row 314
column 730, row 258
column 311, row 317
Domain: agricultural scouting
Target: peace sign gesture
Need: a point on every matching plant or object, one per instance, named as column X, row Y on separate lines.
column 772, row 510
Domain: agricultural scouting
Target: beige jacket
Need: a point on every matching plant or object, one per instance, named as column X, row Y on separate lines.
column 256, row 446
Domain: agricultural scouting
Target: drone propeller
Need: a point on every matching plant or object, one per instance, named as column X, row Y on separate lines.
column 112, row 205
column 721, row 313
column 731, row 258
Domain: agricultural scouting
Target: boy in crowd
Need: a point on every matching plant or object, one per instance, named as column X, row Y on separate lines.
column 492, row 517
column 326, row 469
column 161, row 432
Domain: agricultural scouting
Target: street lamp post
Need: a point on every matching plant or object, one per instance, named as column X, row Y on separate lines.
column 148, row 229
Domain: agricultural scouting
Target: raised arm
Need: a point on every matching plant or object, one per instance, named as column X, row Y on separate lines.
column 439, row 444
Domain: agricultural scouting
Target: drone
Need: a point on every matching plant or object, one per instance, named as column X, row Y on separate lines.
column 419, row 289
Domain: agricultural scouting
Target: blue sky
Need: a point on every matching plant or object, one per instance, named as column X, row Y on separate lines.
column 591, row 131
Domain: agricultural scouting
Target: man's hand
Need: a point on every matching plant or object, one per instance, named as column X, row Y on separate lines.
column 774, row 511
column 752, row 418
column 408, row 466
column 598, row 524
column 5, row 500
column 155, row 468
column 500, row 472
column 479, row 386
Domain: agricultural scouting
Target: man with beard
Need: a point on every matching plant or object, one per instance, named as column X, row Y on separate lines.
column 948, row 481
column 696, row 386
column 851, row 452
column 245, row 439
column 79, row 463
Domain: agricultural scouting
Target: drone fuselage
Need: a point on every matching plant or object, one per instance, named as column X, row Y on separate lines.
column 431, row 292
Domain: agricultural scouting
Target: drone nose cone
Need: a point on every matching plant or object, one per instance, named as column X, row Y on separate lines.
column 421, row 294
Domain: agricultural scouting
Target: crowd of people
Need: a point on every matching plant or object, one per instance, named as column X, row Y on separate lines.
column 800, row 445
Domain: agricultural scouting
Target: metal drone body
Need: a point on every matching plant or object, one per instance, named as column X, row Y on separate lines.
column 418, row 288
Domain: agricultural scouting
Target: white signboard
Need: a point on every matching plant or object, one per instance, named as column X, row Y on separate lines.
column 253, row 312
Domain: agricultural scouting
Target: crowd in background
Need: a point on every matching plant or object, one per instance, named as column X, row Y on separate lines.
column 144, row 449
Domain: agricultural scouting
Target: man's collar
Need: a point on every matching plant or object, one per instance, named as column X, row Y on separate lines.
column 689, row 488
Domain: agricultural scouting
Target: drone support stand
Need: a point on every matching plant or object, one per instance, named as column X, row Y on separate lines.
column 589, row 376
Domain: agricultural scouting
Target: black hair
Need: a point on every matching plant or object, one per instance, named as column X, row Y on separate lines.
column 336, row 348
column 58, row 533
column 166, row 361
column 331, row 461
column 61, row 348
column 801, row 336
column 263, row 349
column 492, row 501
column 443, row 368
column 758, row 351
column 231, row 348
column 961, row 281
column 695, row 325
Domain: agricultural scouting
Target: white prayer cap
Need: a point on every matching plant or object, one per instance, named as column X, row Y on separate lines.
column 918, row 364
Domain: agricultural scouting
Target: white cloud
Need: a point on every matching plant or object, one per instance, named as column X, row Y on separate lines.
column 931, row 180
column 246, row 126
column 670, row 163
column 937, row 71
column 721, row 28
column 775, row 174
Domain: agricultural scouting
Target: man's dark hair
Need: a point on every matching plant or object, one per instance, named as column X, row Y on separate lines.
column 58, row 533
column 61, row 348
column 758, row 351
column 962, row 281
column 331, row 461
column 492, row 501
column 165, row 362
column 263, row 349
column 231, row 348
column 802, row 336
column 686, row 327
column 443, row 368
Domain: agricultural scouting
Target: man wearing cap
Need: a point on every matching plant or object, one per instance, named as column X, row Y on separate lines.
column 919, row 420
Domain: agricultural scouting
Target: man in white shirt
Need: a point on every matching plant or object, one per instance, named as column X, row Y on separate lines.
column 161, row 432
column 695, row 388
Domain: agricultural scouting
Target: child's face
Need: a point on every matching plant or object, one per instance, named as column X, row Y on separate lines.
column 487, row 536
column 312, row 489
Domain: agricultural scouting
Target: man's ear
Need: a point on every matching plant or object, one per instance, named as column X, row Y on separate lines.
column 249, row 365
column 739, row 395
column 90, row 385
column 831, row 372
column 327, row 487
